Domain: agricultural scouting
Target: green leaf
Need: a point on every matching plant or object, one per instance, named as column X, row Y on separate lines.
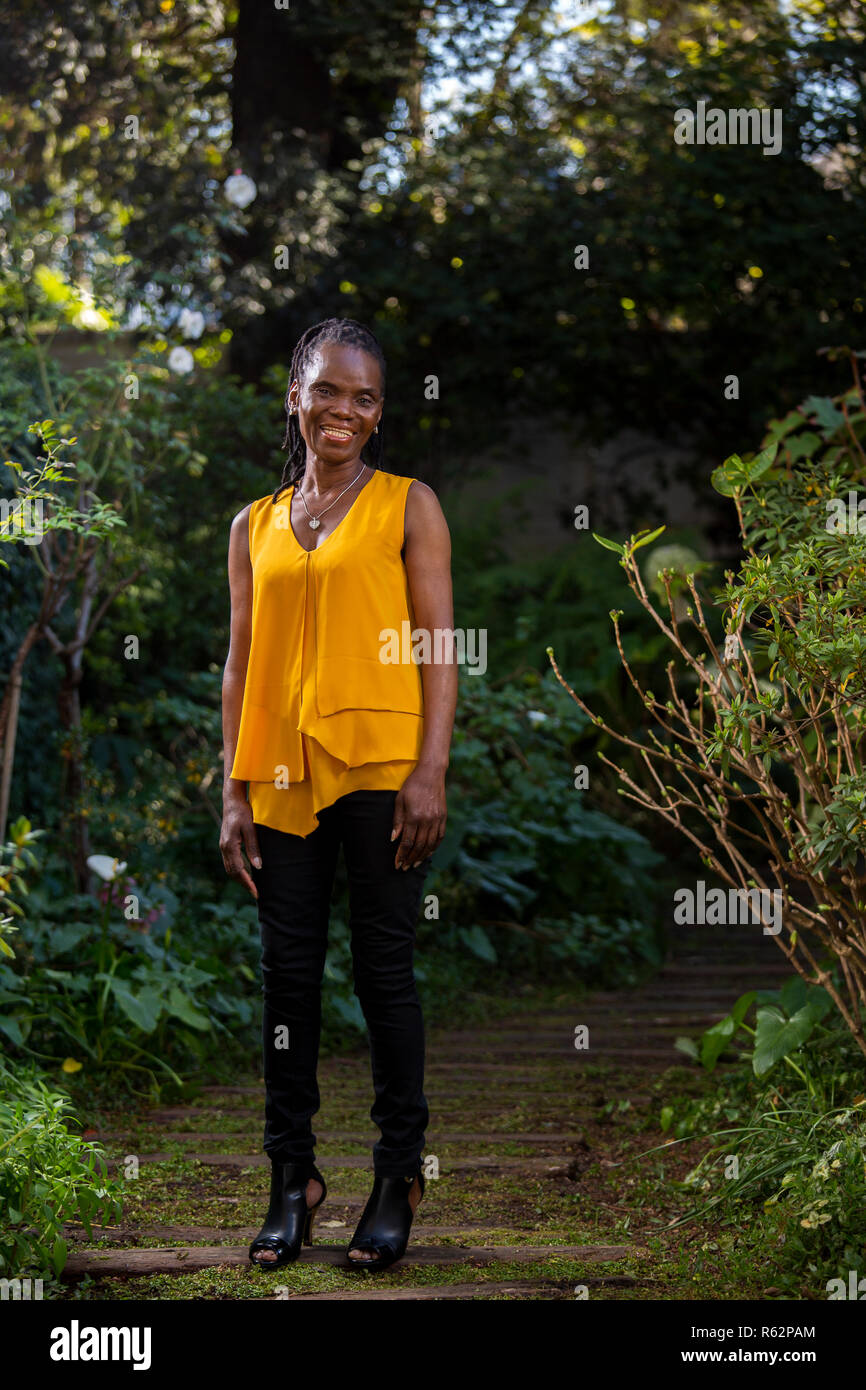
column 142, row 1008
column 667, row 1115
column 797, row 994
column 725, row 478
column 715, row 1039
column 12, row 1028
column 760, row 463
column 183, row 1008
column 609, row 545
column 349, row 1010
column 779, row 428
column 479, row 943
column 688, row 1046
column 647, row 540
column 776, row 1036
column 829, row 418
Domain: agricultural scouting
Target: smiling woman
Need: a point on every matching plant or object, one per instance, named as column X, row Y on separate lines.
column 337, row 748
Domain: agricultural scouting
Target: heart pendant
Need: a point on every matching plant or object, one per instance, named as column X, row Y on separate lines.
column 314, row 522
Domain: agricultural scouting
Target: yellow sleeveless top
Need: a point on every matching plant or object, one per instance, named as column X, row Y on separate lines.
column 323, row 714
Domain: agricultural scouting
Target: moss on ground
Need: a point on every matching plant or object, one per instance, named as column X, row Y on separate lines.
column 606, row 1190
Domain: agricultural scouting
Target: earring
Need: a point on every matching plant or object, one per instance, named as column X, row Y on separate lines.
column 376, row 429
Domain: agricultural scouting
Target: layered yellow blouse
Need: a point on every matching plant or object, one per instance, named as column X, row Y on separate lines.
column 333, row 701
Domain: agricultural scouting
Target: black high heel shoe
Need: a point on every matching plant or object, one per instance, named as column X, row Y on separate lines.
column 289, row 1220
column 386, row 1221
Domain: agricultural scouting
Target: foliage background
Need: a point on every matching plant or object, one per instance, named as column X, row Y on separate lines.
column 431, row 171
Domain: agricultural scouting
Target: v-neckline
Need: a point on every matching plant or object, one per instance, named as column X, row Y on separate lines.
column 331, row 534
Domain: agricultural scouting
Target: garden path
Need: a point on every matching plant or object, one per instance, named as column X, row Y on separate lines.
column 538, row 1193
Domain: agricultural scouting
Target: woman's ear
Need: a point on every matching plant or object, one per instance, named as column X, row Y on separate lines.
column 294, row 394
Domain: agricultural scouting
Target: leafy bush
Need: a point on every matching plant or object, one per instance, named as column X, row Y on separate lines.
column 784, row 1020
column 15, row 859
column 530, row 876
column 524, row 603
column 787, row 1169
column 48, row 1175
column 530, row 880
column 171, row 466
column 94, row 987
column 755, row 754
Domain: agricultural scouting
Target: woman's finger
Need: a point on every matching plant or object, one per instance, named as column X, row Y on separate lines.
column 423, row 842
column 251, row 843
column 397, row 824
column 245, row 878
column 234, row 865
column 407, row 841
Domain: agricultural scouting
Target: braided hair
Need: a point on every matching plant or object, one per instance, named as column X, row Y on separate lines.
column 354, row 334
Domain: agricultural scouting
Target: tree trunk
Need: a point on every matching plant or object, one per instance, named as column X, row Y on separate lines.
column 9, row 722
column 309, row 87
column 72, row 787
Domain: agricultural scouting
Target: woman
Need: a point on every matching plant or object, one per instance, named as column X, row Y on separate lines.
column 340, row 745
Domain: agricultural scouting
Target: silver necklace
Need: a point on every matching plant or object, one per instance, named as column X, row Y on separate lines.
column 313, row 521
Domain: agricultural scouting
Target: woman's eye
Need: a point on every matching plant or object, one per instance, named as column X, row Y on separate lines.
column 326, row 391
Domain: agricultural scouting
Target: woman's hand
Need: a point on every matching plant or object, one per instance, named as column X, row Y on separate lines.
column 238, row 833
column 419, row 816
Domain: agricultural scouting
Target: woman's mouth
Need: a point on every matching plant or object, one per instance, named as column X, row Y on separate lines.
column 336, row 433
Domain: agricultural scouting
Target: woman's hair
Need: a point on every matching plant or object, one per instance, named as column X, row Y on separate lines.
column 354, row 334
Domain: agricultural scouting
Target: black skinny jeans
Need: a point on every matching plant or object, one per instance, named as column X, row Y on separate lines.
column 294, row 886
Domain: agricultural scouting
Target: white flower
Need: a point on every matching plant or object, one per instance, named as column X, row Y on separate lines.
column 90, row 317
column 191, row 323
column 180, row 359
column 105, row 866
column 239, row 189
column 536, row 716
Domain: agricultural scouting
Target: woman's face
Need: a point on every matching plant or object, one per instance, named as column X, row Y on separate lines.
column 339, row 401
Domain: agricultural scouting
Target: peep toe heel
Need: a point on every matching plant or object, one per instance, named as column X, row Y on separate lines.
column 386, row 1222
column 289, row 1222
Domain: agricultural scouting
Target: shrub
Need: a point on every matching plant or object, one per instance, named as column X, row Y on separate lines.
column 531, row 876
column 104, row 992
column 48, row 1175
column 755, row 752
column 786, row 1166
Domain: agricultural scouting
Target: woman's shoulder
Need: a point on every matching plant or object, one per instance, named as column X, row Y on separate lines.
column 266, row 503
column 401, row 484
column 247, row 521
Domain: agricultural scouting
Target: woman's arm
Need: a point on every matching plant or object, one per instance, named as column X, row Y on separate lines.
column 238, row 831
column 420, row 812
